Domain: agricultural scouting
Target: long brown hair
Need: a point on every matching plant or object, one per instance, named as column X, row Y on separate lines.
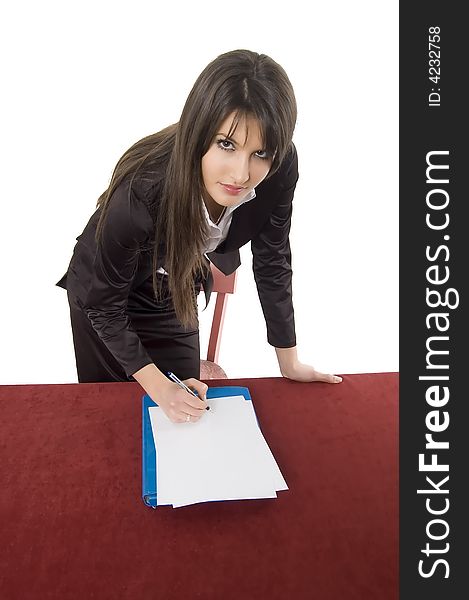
column 241, row 82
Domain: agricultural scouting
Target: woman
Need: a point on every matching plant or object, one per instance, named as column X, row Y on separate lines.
column 200, row 189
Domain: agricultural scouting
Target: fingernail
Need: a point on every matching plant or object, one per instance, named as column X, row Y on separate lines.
column 337, row 379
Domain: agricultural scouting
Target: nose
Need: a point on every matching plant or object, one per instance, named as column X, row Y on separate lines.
column 240, row 169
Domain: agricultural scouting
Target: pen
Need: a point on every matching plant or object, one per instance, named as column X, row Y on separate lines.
column 176, row 379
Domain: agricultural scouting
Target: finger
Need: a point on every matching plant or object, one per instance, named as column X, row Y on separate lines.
column 328, row 378
column 177, row 417
column 192, row 407
column 187, row 404
column 188, row 418
column 181, row 416
column 199, row 387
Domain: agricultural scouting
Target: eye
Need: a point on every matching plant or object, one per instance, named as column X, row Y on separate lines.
column 225, row 144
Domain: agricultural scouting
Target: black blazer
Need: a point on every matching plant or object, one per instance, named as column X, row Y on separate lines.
column 106, row 281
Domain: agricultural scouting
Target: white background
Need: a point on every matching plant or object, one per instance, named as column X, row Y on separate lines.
column 82, row 82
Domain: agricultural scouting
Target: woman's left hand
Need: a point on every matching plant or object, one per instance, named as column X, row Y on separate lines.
column 291, row 368
column 301, row 372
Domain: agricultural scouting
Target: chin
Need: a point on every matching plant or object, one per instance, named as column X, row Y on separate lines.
column 221, row 199
column 226, row 201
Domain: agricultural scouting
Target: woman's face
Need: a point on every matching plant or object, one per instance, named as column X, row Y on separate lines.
column 234, row 166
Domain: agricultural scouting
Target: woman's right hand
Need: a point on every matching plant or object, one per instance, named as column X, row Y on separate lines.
column 180, row 406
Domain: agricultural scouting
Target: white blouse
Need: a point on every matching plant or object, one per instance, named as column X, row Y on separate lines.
column 219, row 231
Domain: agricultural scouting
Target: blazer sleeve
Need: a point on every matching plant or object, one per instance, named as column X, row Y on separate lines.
column 272, row 261
column 126, row 229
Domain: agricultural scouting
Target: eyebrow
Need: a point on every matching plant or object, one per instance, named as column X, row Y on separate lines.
column 226, row 137
column 232, row 140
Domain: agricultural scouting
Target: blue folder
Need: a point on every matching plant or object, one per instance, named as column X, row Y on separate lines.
column 149, row 491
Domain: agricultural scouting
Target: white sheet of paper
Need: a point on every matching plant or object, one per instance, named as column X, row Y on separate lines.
column 260, row 453
column 223, row 456
column 280, row 483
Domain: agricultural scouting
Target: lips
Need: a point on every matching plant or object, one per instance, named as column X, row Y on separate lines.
column 232, row 188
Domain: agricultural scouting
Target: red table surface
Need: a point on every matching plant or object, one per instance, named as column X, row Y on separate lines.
column 73, row 524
